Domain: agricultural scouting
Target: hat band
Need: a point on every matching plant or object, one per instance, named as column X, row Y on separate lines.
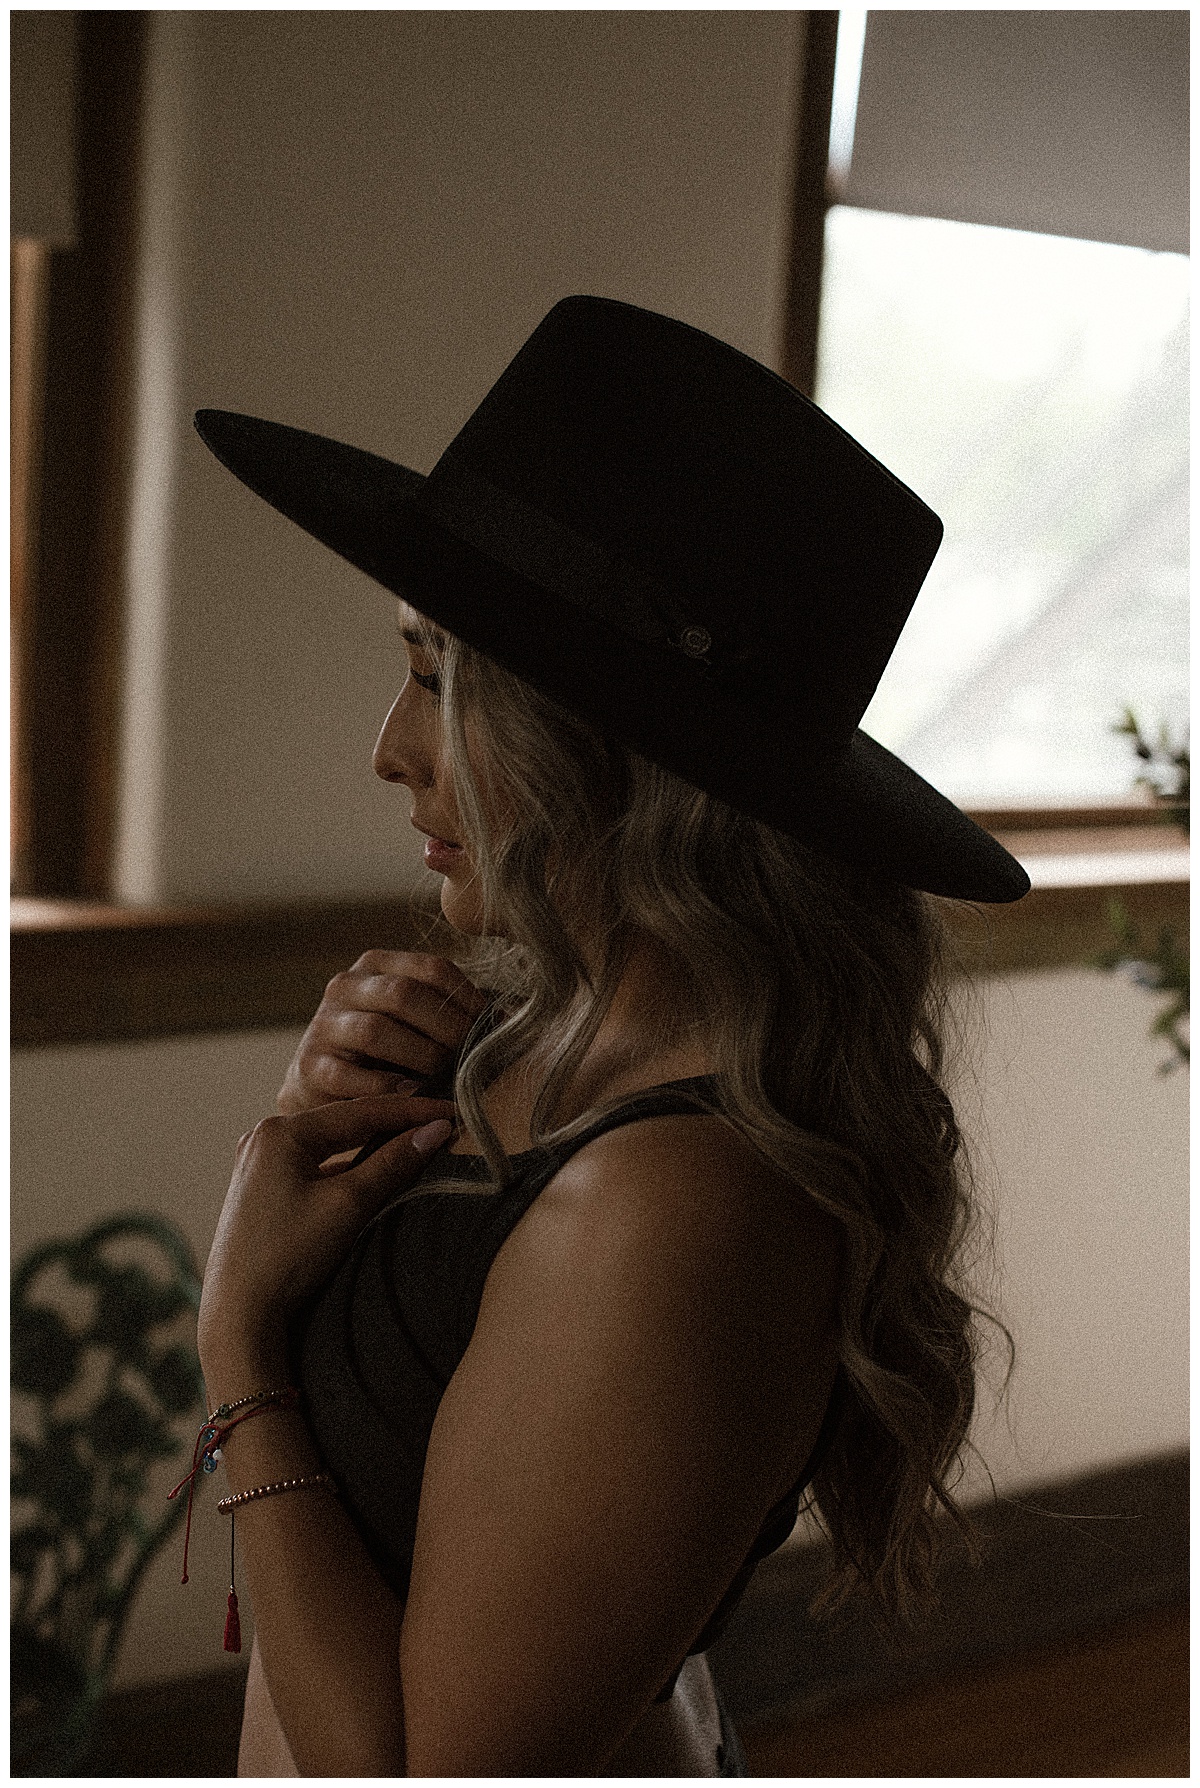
column 523, row 538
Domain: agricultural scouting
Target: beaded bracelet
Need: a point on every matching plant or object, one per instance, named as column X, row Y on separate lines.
column 288, row 1395
column 205, row 1455
column 315, row 1480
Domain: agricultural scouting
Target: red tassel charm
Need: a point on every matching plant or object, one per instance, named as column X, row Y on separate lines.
column 233, row 1626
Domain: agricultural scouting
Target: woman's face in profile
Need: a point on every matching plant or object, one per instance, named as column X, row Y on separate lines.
column 408, row 750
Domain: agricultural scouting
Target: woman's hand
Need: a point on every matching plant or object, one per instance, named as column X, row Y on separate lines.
column 286, row 1224
column 396, row 1015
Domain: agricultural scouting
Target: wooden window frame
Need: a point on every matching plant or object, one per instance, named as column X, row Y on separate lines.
column 73, row 319
column 811, row 199
column 87, row 970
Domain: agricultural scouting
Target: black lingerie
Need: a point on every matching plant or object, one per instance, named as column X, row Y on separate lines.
column 379, row 1346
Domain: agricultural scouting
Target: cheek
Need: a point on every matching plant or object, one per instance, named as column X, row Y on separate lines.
column 497, row 805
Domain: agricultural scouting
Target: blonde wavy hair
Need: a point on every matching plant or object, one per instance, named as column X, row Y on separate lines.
column 821, row 992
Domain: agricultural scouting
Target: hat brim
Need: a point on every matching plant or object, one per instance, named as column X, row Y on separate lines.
column 864, row 804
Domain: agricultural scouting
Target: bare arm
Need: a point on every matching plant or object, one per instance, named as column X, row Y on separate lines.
column 327, row 1627
column 263, row 1750
column 645, row 1379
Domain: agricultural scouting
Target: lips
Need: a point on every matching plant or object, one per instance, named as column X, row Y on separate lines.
column 449, row 844
column 441, row 854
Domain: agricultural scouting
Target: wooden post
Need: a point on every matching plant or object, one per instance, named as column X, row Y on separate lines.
column 798, row 361
column 76, row 396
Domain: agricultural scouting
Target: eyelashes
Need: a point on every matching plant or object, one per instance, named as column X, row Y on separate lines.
column 433, row 683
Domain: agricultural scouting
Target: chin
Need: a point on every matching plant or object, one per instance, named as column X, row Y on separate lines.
column 462, row 907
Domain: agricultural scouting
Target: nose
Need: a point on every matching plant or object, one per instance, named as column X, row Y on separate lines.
column 401, row 751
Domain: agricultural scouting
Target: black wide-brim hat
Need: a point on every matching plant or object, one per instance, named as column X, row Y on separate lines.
column 668, row 540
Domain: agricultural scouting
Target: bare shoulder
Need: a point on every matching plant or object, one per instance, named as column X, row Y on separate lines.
column 687, row 1196
column 685, row 1234
column 690, row 1170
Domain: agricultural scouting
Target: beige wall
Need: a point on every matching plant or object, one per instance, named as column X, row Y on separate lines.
column 146, row 1126
column 352, row 221
column 1084, row 1152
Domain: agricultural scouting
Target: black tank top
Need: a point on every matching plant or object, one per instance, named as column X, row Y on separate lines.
column 378, row 1347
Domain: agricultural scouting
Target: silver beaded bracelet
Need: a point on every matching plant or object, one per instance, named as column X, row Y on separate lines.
column 316, row 1480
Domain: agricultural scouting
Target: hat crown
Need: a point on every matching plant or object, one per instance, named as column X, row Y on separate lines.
column 748, row 513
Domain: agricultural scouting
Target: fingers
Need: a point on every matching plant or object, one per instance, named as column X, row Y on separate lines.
column 326, row 1130
column 385, row 1011
column 395, row 1012
column 380, row 1039
column 426, row 990
column 373, row 1173
column 315, row 1079
column 333, row 1077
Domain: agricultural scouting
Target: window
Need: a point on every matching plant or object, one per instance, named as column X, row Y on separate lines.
column 1032, row 387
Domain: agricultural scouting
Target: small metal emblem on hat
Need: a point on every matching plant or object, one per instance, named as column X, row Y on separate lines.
column 695, row 641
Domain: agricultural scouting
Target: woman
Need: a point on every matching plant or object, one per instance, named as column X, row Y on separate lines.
column 569, row 1367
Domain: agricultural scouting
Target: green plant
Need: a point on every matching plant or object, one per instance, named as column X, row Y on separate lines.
column 1165, row 967
column 1168, row 773
column 102, row 1380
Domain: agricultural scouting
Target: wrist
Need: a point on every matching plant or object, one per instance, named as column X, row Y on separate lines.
column 265, row 1444
column 237, row 1366
column 236, row 1321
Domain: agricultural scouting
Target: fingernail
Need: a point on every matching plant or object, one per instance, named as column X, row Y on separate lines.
column 430, row 1136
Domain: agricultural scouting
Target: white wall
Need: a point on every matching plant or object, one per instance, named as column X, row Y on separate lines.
column 352, row 221
column 1086, row 1157
column 1083, row 1148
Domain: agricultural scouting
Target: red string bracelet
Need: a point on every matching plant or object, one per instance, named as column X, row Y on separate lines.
column 207, row 1452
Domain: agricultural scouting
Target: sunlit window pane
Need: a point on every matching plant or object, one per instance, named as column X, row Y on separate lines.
column 1033, row 389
